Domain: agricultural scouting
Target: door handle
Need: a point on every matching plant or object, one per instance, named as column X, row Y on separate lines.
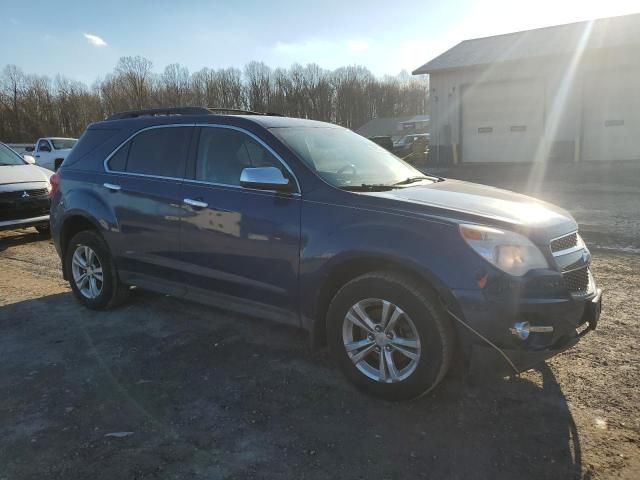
column 112, row 187
column 195, row 203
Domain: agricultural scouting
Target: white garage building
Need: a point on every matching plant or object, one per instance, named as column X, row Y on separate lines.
column 563, row 93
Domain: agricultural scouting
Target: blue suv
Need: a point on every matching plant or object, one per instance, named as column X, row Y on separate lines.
column 310, row 224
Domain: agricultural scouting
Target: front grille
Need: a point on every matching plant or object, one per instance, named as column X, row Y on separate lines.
column 20, row 194
column 563, row 243
column 577, row 281
column 22, row 214
column 17, row 206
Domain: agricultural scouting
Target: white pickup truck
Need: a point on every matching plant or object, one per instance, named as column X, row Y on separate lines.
column 49, row 152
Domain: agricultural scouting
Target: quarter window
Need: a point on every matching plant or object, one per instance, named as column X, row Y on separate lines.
column 223, row 153
column 118, row 163
column 159, row 151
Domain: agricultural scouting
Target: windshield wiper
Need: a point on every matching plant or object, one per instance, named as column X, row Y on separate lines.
column 416, row 179
column 368, row 187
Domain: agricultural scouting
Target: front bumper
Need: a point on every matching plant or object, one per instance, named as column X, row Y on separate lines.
column 493, row 350
column 24, row 222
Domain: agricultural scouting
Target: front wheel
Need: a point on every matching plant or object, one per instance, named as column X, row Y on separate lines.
column 92, row 272
column 389, row 335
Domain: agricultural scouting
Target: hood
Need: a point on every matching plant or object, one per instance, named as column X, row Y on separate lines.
column 23, row 174
column 492, row 205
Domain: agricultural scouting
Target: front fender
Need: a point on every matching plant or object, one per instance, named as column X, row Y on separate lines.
column 335, row 235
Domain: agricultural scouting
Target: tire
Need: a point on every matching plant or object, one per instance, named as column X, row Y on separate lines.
column 419, row 343
column 43, row 229
column 110, row 291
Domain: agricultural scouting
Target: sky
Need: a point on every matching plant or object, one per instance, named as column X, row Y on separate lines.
column 84, row 39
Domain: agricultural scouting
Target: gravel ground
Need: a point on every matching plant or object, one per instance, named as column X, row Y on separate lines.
column 162, row 388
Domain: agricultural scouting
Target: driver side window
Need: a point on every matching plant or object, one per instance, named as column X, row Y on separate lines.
column 43, row 146
column 223, row 153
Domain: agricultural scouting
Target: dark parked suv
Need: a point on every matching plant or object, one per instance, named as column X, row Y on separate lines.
column 310, row 224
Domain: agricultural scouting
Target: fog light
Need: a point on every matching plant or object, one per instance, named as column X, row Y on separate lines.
column 521, row 330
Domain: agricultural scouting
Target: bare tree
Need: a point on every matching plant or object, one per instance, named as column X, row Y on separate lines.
column 136, row 77
column 32, row 106
column 175, row 86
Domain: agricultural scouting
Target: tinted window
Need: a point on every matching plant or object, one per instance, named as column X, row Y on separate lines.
column 43, row 144
column 159, row 151
column 118, row 163
column 223, row 153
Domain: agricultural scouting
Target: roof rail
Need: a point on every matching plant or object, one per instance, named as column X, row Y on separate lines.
column 233, row 110
column 151, row 112
column 160, row 111
column 242, row 112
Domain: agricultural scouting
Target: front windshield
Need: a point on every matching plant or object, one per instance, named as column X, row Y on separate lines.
column 9, row 157
column 344, row 158
column 63, row 143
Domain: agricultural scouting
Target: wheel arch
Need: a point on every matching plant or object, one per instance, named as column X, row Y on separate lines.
column 71, row 226
column 344, row 271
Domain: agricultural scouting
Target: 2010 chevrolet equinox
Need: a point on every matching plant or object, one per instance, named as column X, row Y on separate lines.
column 310, row 224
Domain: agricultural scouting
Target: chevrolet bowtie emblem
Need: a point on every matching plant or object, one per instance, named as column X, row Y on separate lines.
column 25, row 194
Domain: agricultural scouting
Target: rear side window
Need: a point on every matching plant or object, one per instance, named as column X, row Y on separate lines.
column 160, row 151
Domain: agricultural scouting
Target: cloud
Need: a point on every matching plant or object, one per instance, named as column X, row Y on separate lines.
column 95, row 40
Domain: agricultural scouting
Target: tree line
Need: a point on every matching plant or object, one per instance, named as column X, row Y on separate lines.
column 32, row 106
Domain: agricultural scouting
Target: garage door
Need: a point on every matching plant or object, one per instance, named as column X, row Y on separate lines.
column 502, row 122
column 611, row 116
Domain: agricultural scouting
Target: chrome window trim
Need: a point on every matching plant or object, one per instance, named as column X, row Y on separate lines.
column 261, row 142
column 240, row 187
column 105, row 164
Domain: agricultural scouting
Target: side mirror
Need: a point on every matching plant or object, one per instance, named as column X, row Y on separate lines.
column 29, row 149
column 265, row 178
column 29, row 159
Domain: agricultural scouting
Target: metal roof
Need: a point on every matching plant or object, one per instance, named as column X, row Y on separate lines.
column 557, row 40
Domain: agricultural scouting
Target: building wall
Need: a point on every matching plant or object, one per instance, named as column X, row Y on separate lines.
column 562, row 82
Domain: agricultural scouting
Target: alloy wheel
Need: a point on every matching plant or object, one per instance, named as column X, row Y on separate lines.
column 87, row 272
column 381, row 340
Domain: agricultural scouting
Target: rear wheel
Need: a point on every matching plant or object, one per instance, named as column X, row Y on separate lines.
column 92, row 273
column 389, row 335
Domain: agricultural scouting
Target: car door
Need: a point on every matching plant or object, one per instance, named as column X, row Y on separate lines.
column 141, row 185
column 240, row 246
column 44, row 154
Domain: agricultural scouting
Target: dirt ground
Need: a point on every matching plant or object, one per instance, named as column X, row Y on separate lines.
column 162, row 388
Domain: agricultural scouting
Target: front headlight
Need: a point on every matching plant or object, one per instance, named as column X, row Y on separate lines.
column 509, row 251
